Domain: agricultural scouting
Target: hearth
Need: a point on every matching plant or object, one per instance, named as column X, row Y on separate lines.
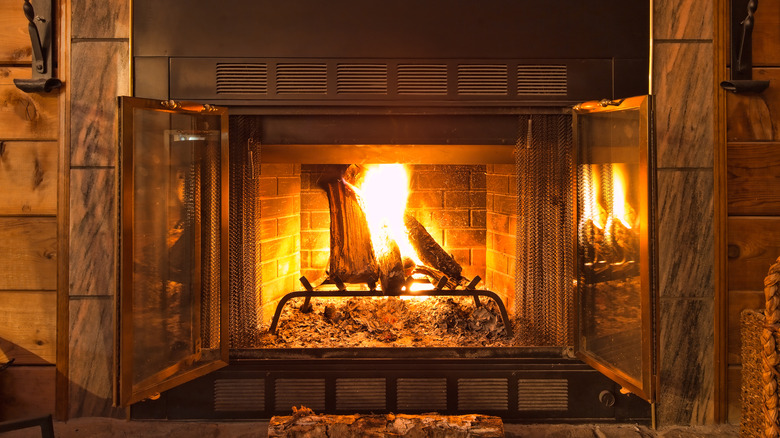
column 257, row 274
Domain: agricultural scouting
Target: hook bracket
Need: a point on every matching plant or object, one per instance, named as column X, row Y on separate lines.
column 40, row 26
column 741, row 71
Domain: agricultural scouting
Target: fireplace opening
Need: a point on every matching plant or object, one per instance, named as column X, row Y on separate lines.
column 496, row 223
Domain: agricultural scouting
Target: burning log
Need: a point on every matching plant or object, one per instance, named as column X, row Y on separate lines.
column 431, row 252
column 391, row 267
column 351, row 253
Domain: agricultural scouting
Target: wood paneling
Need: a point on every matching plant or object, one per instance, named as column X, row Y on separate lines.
column 755, row 116
column 685, row 244
column 754, row 244
column 734, row 393
column 27, row 116
column 766, row 34
column 739, row 301
column 682, row 19
column 28, row 326
column 28, row 253
column 106, row 19
column 683, row 77
column 754, row 179
column 92, row 232
column 26, row 392
column 15, row 46
column 686, row 368
column 99, row 74
column 28, row 176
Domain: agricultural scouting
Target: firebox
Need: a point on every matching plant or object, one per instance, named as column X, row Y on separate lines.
column 384, row 231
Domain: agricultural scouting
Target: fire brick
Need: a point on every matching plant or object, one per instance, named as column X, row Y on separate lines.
column 505, row 204
column 425, row 199
column 478, row 218
column 289, row 185
column 460, row 238
column 498, row 183
column 498, row 222
column 267, row 186
column 277, row 207
column 451, row 218
column 289, row 225
column 314, row 201
column 315, row 239
column 277, row 169
column 268, row 229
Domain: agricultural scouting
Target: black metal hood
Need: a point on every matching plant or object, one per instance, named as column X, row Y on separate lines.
column 443, row 53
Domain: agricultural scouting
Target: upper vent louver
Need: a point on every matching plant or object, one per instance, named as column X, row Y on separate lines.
column 361, row 79
column 239, row 78
column 422, row 79
column 301, row 78
column 544, row 80
column 483, row 80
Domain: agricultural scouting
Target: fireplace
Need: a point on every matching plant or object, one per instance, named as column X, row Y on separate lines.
column 251, row 284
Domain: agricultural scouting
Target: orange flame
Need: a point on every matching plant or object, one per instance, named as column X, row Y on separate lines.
column 619, row 202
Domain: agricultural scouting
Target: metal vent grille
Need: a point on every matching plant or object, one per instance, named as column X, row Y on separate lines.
column 547, row 80
column 422, row 79
column 422, row 394
column 239, row 395
column 234, row 78
column 361, row 79
column 300, row 78
column 482, row 80
column 488, row 394
column 542, row 395
column 360, row 394
column 297, row 392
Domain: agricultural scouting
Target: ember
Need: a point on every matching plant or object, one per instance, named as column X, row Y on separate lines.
column 388, row 322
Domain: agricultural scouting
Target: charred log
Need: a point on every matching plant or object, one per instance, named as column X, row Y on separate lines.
column 430, row 252
column 391, row 267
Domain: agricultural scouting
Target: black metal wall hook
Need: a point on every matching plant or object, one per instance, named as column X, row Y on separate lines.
column 41, row 29
column 742, row 49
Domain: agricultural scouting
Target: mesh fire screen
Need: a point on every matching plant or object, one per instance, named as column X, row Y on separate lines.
column 527, row 237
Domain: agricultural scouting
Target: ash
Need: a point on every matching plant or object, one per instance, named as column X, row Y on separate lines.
column 388, row 322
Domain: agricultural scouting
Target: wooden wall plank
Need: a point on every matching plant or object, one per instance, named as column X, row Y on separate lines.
column 28, row 175
column 755, row 116
column 26, row 116
column 28, row 253
column 734, row 391
column 26, row 392
column 753, row 245
column 753, row 179
column 766, row 34
column 28, row 326
column 739, row 301
column 16, row 47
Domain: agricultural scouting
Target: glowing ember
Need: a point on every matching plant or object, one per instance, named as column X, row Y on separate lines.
column 383, row 195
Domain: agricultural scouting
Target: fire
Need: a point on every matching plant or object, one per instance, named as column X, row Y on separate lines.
column 591, row 209
column 383, row 195
column 619, row 204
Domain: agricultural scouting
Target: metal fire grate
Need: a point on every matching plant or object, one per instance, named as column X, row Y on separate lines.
column 545, row 229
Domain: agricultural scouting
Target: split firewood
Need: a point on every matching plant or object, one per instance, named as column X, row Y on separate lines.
column 351, row 253
column 430, row 252
column 391, row 267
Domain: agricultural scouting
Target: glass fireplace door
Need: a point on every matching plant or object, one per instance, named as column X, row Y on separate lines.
column 614, row 228
column 172, row 309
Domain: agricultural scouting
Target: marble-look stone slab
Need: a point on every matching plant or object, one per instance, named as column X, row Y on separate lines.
column 685, row 233
column 100, row 18
column 682, row 19
column 686, row 362
column 99, row 73
column 91, row 350
column 684, row 121
column 92, row 232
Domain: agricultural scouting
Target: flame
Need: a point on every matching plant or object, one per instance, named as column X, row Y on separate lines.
column 383, row 195
column 619, row 204
column 591, row 211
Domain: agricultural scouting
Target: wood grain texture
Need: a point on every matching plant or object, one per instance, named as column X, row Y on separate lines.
column 754, row 244
column 15, row 47
column 682, row 19
column 26, row 116
column 28, row 175
column 755, row 116
column 26, row 392
column 28, row 253
column 99, row 74
column 92, row 232
column 100, row 18
column 686, row 368
column 739, row 301
column 766, row 34
column 28, row 327
column 91, row 357
column 753, row 179
column 682, row 82
column 685, row 233
column 733, row 393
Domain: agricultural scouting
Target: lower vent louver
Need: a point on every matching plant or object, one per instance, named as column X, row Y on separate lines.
column 542, row 395
column 422, row 394
column 299, row 392
column 483, row 394
column 232, row 395
column 360, row 394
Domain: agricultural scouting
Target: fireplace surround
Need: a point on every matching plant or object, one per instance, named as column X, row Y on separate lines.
column 457, row 131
